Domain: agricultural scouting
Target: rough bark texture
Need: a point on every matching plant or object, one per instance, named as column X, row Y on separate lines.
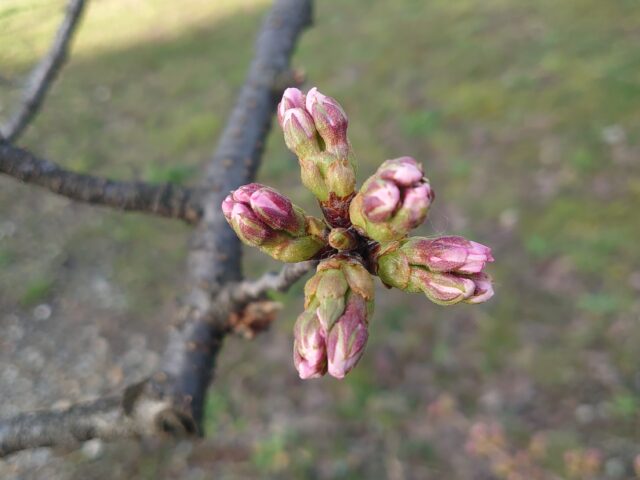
column 164, row 200
column 215, row 253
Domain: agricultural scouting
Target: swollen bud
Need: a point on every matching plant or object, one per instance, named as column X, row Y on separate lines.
column 300, row 133
column 348, row 337
column 276, row 210
column 441, row 288
column 315, row 129
column 483, row 288
column 446, row 269
column 342, row 239
column 340, row 296
column 264, row 218
column 448, row 254
column 393, row 201
column 309, row 347
column 291, row 98
column 330, row 120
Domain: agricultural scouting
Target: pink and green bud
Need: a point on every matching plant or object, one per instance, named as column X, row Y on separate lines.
column 340, row 178
column 276, row 210
column 291, row 98
column 248, row 225
column 342, row 239
column 300, row 133
column 380, row 200
column 483, row 290
column 315, row 129
column 347, row 339
column 446, row 269
column 403, row 171
column 393, row 201
column 309, row 347
column 262, row 217
column 448, row 254
column 330, row 120
column 340, row 295
column 441, row 288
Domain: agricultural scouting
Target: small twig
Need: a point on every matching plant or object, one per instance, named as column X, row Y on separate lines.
column 248, row 291
column 43, row 75
column 163, row 200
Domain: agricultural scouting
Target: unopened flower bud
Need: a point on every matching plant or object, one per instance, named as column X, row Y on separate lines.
column 441, row 288
column 291, row 98
column 483, row 288
column 300, row 133
column 448, row 254
column 446, row 269
column 248, row 225
column 340, row 178
column 262, row 217
column 276, row 210
column 330, row 120
column 348, row 337
column 342, row 239
column 309, row 348
column 393, row 201
column 341, row 296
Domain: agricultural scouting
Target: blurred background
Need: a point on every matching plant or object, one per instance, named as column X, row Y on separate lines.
column 526, row 115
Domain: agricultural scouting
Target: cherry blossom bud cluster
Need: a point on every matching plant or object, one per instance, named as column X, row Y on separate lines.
column 332, row 332
column 363, row 234
column 448, row 270
column 264, row 218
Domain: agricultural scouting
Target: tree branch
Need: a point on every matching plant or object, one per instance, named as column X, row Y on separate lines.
column 249, row 291
column 215, row 255
column 163, row 200
column 172, row 401
column 43, row 75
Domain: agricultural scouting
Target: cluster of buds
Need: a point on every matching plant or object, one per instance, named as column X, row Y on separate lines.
column 448, row 270
column 392, row 202
column 363, row 234
column 264, row 218
column 330, row 335
column 315, row 129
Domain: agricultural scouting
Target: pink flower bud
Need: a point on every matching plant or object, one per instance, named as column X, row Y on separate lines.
column 309, row 348
column 262, row 217
column 448, row 254
column 483, row 290
column 442, row 288
column 404, row 171
column 274, row 209
column 348, row 337
column 291, row 98
column 243, row 193
column 417, row 201
column 330, row 120
column 393, row 201
column 381, row 199
column 300, row 133
column 248, row 226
